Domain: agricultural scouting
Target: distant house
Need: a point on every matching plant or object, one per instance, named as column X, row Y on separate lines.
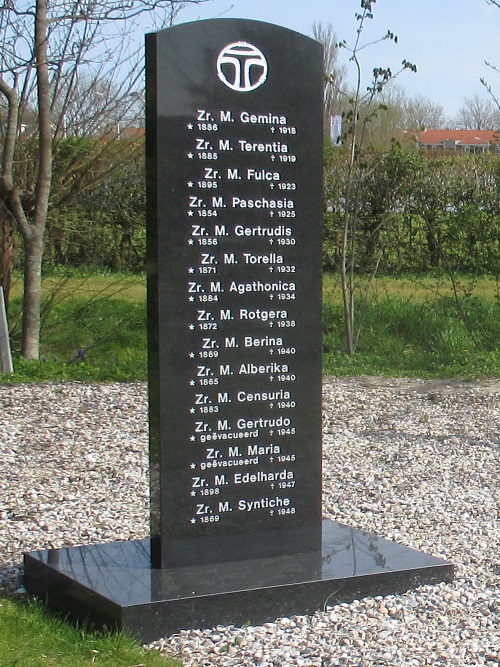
column 458, row 141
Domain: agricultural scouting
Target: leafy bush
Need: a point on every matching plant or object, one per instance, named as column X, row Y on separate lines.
column 418, row 213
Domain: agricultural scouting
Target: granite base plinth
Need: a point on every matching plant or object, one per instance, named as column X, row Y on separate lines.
column 114, row 585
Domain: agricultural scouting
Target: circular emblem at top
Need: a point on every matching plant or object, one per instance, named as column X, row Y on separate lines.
column 242, row 67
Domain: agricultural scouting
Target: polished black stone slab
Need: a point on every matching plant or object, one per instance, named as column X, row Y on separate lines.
column 114, row 584
column 234, row 135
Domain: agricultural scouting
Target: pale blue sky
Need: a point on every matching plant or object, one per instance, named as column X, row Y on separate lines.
column 448, row 40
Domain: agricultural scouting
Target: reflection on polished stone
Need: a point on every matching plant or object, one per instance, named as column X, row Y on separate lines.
column 116, row 585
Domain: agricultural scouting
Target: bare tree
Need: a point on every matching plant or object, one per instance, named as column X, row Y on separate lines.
column 383, row 114
column 420, row 113
column 477, row 113
column 53, row 61
column 335, row 90
column 363, row 105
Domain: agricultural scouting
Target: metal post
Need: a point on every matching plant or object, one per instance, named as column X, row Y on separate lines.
column 5, row 354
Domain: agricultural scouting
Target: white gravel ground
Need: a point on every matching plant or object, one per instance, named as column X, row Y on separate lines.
column 414, row 461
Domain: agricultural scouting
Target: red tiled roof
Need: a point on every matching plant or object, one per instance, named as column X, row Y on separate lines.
column 463, row 137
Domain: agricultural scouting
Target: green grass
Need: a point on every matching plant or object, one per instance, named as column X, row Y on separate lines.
column 30, row 636
column 89, row 285
column 95, row 330
column 403, row 337
column 97, row 340
column 419, row 288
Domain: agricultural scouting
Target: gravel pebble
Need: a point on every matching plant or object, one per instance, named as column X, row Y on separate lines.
column 411, row 460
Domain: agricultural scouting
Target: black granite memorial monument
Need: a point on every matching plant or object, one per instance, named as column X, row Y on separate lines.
column 235, row 291
column 234, row 172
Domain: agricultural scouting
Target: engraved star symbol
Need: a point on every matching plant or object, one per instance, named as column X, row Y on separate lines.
column 190, row 126
column 192, row 327
column 192, row 438
column 192, row 383
column 191, row 242
column 190, row 213
column 192, row 411
column 193, row 493
column 191, row 269
column 191, row 355
column 191, row 298
column 193, row 520
column 190, row 184
column 190, row 155
column 192, row 466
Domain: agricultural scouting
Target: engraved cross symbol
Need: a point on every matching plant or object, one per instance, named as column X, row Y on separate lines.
column 242, row 67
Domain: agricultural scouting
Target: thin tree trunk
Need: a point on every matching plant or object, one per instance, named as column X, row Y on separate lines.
column 34, row 243
column 348, row 232
column 32, row 297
